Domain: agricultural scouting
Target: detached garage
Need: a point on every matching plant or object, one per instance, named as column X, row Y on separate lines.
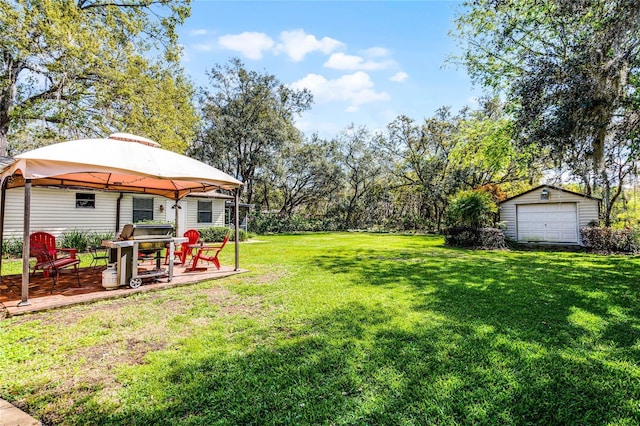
column 548, row 214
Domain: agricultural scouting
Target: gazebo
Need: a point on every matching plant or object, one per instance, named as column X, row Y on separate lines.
column 123, row 163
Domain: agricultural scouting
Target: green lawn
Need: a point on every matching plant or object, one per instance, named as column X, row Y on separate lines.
column 346, row 329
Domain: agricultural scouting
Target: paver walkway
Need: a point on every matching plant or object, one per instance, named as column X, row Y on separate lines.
column 13, row 416
column 68, row 293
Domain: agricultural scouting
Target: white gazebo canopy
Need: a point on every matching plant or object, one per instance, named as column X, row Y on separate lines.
column 122, row 162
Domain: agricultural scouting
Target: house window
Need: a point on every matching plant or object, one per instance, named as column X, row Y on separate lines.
column 205, row 212
column 85, row 201
column 142, row 209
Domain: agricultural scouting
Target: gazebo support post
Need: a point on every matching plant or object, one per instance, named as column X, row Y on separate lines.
column 176, row 199
column 24, row 296
column 3, row 202
column 236, row 219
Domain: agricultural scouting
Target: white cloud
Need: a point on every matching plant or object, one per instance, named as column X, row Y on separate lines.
column 296, row 44
column 198, row 32
column 376, row 52
column 399, row 77
column 250, row 44
column 340, row 61
column 357, row 89
column 204, row 47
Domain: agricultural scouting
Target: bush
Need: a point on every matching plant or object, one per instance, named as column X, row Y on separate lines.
column 216, row 234
column 471, row 209
column 470, row 237
column 81, row 240
column 268, row 223
column 609, row 240
column 12, row 247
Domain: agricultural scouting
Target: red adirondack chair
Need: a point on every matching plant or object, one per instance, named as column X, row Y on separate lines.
column 49, row 242
column 186, row 248
column 209, row 253
column 50, row 265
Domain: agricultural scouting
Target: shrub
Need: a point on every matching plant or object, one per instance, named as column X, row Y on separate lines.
column 216, row 234
column 609, row 240
column 75, row 238
column 268, row 223
column 12, row 247
column 81, row 240
column 472, row 209
column 470, row 237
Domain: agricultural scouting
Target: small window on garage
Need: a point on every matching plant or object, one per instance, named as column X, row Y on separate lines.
column 142, row 209
column 85, row 201
column 205, row 212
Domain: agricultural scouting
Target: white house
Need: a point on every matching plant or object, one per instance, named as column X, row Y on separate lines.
column 548, row 214
column 57, row 210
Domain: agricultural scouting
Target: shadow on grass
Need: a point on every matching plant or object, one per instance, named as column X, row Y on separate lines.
column 509, row 337
column 355, row 366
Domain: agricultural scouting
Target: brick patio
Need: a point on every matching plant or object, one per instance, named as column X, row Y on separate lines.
column 68, row 293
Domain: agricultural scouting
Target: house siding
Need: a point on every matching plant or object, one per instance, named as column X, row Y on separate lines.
column 55, row 211
column 587, row 208
column 217, row 216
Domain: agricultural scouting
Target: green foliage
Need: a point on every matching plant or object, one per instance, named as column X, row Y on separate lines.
column 81, row 239
column 270, row 223
column 248, row 118
column 73, row 68
column 216, row 234
column 569, row 71
column 12, row 247
column 474, row 209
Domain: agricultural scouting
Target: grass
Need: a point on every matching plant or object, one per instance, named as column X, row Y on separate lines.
column 346, row 329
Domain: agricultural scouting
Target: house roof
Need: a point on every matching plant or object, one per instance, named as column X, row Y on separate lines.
column 551, row 187
column 211, row 194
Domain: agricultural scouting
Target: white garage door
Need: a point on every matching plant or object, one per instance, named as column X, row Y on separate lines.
column 554, row 222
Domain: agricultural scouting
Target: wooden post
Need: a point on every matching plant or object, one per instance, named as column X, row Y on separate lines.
column 24, row 296
column 3, row 202
column 237, row 226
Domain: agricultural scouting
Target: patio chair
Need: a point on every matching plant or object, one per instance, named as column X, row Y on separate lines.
column 98, row 253
column 49, row 241
column 185, row 248
column 209, row 253
column 50, row 265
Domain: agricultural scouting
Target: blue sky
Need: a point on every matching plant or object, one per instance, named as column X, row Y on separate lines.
column 366, row 62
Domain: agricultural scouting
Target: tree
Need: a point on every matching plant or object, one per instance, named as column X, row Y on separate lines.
column 362, row 169
column 567, row 67
column 307, row 175
column 248, row 118
column 86, row 67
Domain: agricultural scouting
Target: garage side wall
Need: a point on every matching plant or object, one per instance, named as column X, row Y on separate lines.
column 587, row 208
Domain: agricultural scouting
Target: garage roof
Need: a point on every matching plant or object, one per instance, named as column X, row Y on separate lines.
column 551, row 187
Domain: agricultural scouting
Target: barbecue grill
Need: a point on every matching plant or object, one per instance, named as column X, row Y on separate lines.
column 142, row 238
column 150, row 237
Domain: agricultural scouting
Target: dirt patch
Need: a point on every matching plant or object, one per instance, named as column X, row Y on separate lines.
column 233, row 304
column 271, row 277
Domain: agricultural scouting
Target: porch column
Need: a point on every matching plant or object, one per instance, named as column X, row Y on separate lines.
column 24, row 297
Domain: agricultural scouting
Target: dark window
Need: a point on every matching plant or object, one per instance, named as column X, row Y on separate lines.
column 205, row 212
column 142, row 209
column 85, row 201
